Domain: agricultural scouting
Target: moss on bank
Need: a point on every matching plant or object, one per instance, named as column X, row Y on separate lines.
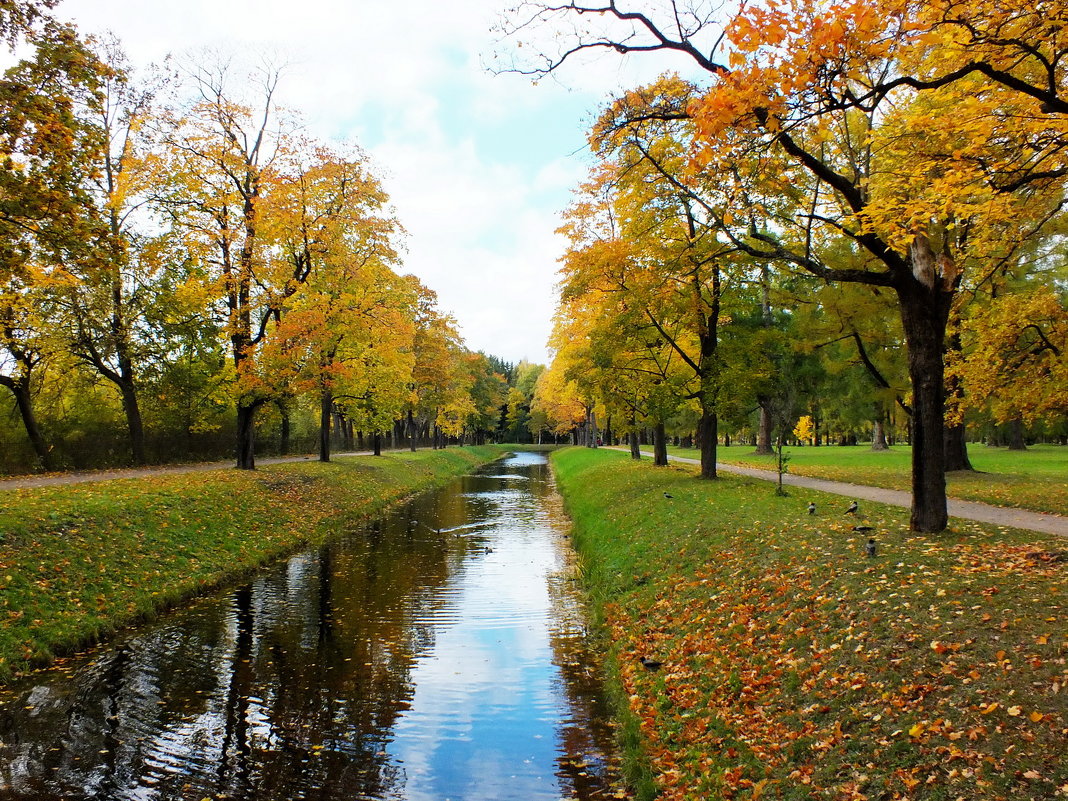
column 795, row 666
column 82, row 560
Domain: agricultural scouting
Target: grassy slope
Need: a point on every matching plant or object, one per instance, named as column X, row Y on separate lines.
column 1033, row 479
column 79, row 561
column 796, row 667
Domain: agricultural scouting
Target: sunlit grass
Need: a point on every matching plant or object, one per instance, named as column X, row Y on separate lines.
column 78, row 561
column 1034, row 479
column 797, row 667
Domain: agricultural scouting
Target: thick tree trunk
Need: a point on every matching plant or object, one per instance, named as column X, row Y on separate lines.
column 635, row 448
column 956, row 447
column 376, row 440
column 764, row 430
column 246, row 436
column 134, row 423
column 659, row 446
column 708, row 434
column 24, row 401
column 924, row 313
column 1016, row 435
column 878, row 435
column 326, row 408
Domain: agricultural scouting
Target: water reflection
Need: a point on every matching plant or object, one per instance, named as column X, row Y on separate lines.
column 435, row 654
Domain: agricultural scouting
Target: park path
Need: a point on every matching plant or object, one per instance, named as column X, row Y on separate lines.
column 80, row 477
column 967, row 510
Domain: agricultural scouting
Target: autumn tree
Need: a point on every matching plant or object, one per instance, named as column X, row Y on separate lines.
column 851, row 95
column 47, row 217
column 224, row 158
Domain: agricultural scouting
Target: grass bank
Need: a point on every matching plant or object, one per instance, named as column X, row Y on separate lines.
column 1035, row 479
column 797, row 667
column 79, row 561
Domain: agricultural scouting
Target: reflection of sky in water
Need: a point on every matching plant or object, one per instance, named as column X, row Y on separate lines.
column 411, row 660
column 485, row 711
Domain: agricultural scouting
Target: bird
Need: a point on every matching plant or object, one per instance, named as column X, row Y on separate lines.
column 812, row 508
column 649, row 664
column 864, row 528
column 668, row 495
column 869, row 547
column 852, row 510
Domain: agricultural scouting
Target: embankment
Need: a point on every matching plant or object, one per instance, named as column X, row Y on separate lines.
column 78, row 562
column 795, row 665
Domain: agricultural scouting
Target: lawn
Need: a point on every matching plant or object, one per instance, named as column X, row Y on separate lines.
column 1035, row 479
column 797, row 667
column 81, row 560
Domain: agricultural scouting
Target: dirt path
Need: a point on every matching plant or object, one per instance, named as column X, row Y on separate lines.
column 967, row 510
column 31, row 482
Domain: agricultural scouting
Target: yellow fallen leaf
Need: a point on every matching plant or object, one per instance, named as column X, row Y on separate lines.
column 986, row 710
column 1036, row 717
column 916, row 730
column 1014, row 711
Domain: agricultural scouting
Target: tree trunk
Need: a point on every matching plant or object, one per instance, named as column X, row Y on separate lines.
column 376, row 440
column 924, row 314
column 411, row 431
column 635, row 448
column 878, row 435
column 1016, row 435
column 283, row 445
column 24, row 400
column 134, row 423
column 246, row 435
column 326, row 408
column 764, row 429
column 956, row 447
column 708, row 434
column 659, row 446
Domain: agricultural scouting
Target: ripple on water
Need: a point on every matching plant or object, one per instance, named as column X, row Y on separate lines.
column 434, row 654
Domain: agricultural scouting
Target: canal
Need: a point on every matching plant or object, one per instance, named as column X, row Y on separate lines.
column 438, row 653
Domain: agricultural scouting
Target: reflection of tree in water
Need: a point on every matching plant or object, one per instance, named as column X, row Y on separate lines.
column 289, row 688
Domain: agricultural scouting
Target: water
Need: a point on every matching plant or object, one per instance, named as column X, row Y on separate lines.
column 436, row 654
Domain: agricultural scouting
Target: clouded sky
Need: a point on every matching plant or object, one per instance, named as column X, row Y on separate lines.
column 478, row 165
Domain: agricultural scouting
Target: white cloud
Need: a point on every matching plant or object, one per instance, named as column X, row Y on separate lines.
column 478, row 165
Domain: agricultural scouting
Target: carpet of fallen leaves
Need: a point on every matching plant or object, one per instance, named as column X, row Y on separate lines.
column 794, row 666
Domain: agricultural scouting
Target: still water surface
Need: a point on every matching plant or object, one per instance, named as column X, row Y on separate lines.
column 436, row 654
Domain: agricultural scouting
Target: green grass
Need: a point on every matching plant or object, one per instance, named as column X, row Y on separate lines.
column 795, row 667
column 1035, row 479
column 79, row 561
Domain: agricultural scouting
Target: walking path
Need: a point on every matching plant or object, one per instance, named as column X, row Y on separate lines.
column 968, row 510
column 30, row 482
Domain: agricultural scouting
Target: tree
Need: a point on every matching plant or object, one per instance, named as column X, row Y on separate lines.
column 832, row 87
column 1013, row 358
column 47, row 218
column 224, row 159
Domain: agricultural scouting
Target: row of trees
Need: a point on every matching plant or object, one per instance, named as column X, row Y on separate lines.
column 843, row 162
column 177, row 256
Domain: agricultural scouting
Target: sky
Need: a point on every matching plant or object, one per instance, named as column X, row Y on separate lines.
column 478, row 165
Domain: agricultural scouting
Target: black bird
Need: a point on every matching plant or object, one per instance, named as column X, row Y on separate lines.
column 667, row 495
column 812, row 508
column 852, row 510
column 649, row 664
column 864, row 528
column 869, row 547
